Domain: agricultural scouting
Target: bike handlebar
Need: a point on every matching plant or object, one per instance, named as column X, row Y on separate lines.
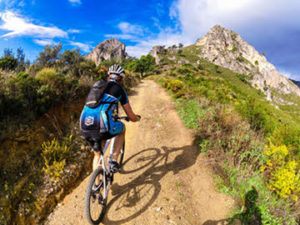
column 125, row 118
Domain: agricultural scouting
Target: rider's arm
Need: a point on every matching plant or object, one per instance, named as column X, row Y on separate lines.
column 128, row 110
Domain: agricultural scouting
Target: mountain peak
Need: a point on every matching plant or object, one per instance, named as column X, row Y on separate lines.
column 226, row 48
column 107, row 50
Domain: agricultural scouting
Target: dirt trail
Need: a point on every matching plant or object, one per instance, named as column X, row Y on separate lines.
column 165, row 179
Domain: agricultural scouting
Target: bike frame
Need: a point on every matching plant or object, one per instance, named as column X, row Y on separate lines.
column 101, row 163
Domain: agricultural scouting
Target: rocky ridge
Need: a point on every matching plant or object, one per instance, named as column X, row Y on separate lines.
column 226, row 48
column 156, row 51
column 107, row 50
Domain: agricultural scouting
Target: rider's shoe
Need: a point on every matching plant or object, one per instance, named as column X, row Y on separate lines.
column 113, row 166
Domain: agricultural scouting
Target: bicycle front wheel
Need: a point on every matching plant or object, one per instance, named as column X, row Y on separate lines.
column 95, row 200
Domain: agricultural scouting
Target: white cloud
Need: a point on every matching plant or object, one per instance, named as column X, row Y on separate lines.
column 121, row 36
column 22, row 27
column 289, row 74
column 73, row 31
column 194, row 18
column 131, row 32
column 75, row 2
column 82, row 46
column 44, row 42
column 198, row 16
column 128, row 28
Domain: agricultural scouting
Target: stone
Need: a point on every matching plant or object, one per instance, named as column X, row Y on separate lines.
column 108, row 50
column 226, row 48
column 156, row 51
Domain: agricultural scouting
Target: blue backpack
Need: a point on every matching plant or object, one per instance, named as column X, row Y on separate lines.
column 96, row 113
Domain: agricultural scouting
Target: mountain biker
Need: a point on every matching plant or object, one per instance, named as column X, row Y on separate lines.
column 114, row 93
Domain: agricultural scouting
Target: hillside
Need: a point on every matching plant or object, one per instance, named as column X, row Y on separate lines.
column 252, row 139
column 227, row 49
column 244, row 134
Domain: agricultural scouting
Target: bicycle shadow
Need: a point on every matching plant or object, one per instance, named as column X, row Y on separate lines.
column 141, row 192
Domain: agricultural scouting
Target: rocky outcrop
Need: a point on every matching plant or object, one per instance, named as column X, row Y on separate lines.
column 156, row 51
column 227, row 49
column 107, row 50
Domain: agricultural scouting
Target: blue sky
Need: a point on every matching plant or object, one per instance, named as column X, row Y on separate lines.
column 271, row 26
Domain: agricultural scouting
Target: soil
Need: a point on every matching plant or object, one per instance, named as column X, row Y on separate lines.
column 165, row 178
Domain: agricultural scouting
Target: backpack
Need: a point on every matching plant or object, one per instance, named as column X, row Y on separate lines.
column 93, row 118
column 96, row 93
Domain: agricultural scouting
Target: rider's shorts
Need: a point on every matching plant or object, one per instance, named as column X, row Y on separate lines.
column 95, row 138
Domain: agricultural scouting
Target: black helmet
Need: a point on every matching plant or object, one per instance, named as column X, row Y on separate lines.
column 116, row 69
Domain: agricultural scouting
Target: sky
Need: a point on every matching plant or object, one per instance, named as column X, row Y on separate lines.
column 271, row 26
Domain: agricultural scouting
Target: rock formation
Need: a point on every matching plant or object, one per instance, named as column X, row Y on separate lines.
column 227, row 49
column 107, row 50
column 156, row 51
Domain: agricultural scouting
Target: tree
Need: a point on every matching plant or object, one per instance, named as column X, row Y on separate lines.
column 20, row 60
column 71, row 60
column 49, row 56
column 8, row 52
column 8, row 63
column 144, row 64
column 180, row 45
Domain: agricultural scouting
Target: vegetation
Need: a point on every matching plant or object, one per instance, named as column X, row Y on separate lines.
column 256, row 144
column 55, row 155
column 37, row 141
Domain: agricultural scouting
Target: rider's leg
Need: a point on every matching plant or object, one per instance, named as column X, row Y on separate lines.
column 96, row 160
column 119, row 141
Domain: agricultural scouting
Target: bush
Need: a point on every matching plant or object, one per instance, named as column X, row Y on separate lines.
column 8, row 63
column 282, row 171
column 47, row 75
column 50, row 77
column 258, row 116
column 173, row 85
column 55, row 155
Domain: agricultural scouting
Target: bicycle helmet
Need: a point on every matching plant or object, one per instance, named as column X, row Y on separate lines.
column 117, row 70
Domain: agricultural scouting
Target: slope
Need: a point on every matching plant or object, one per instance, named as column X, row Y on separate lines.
column 165, row 178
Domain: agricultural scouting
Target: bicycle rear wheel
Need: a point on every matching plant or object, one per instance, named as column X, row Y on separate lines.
column 95, row 201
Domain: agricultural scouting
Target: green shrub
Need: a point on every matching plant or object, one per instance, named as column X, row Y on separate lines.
column 234, row 49
column 50, row 77
column 243, row 78
column 173, row 85
column 8, row 63
column 257, row 114
column 47, row 75
column 189, row 112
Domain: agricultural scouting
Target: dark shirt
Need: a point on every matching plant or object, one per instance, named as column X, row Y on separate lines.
column 116, row 90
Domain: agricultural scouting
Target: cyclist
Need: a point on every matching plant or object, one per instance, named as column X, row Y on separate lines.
column 114, row 93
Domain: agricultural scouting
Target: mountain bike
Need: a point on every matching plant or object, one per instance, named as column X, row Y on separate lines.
column 95, row 201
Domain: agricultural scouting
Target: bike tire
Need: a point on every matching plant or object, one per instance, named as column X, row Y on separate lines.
column 91, row 196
